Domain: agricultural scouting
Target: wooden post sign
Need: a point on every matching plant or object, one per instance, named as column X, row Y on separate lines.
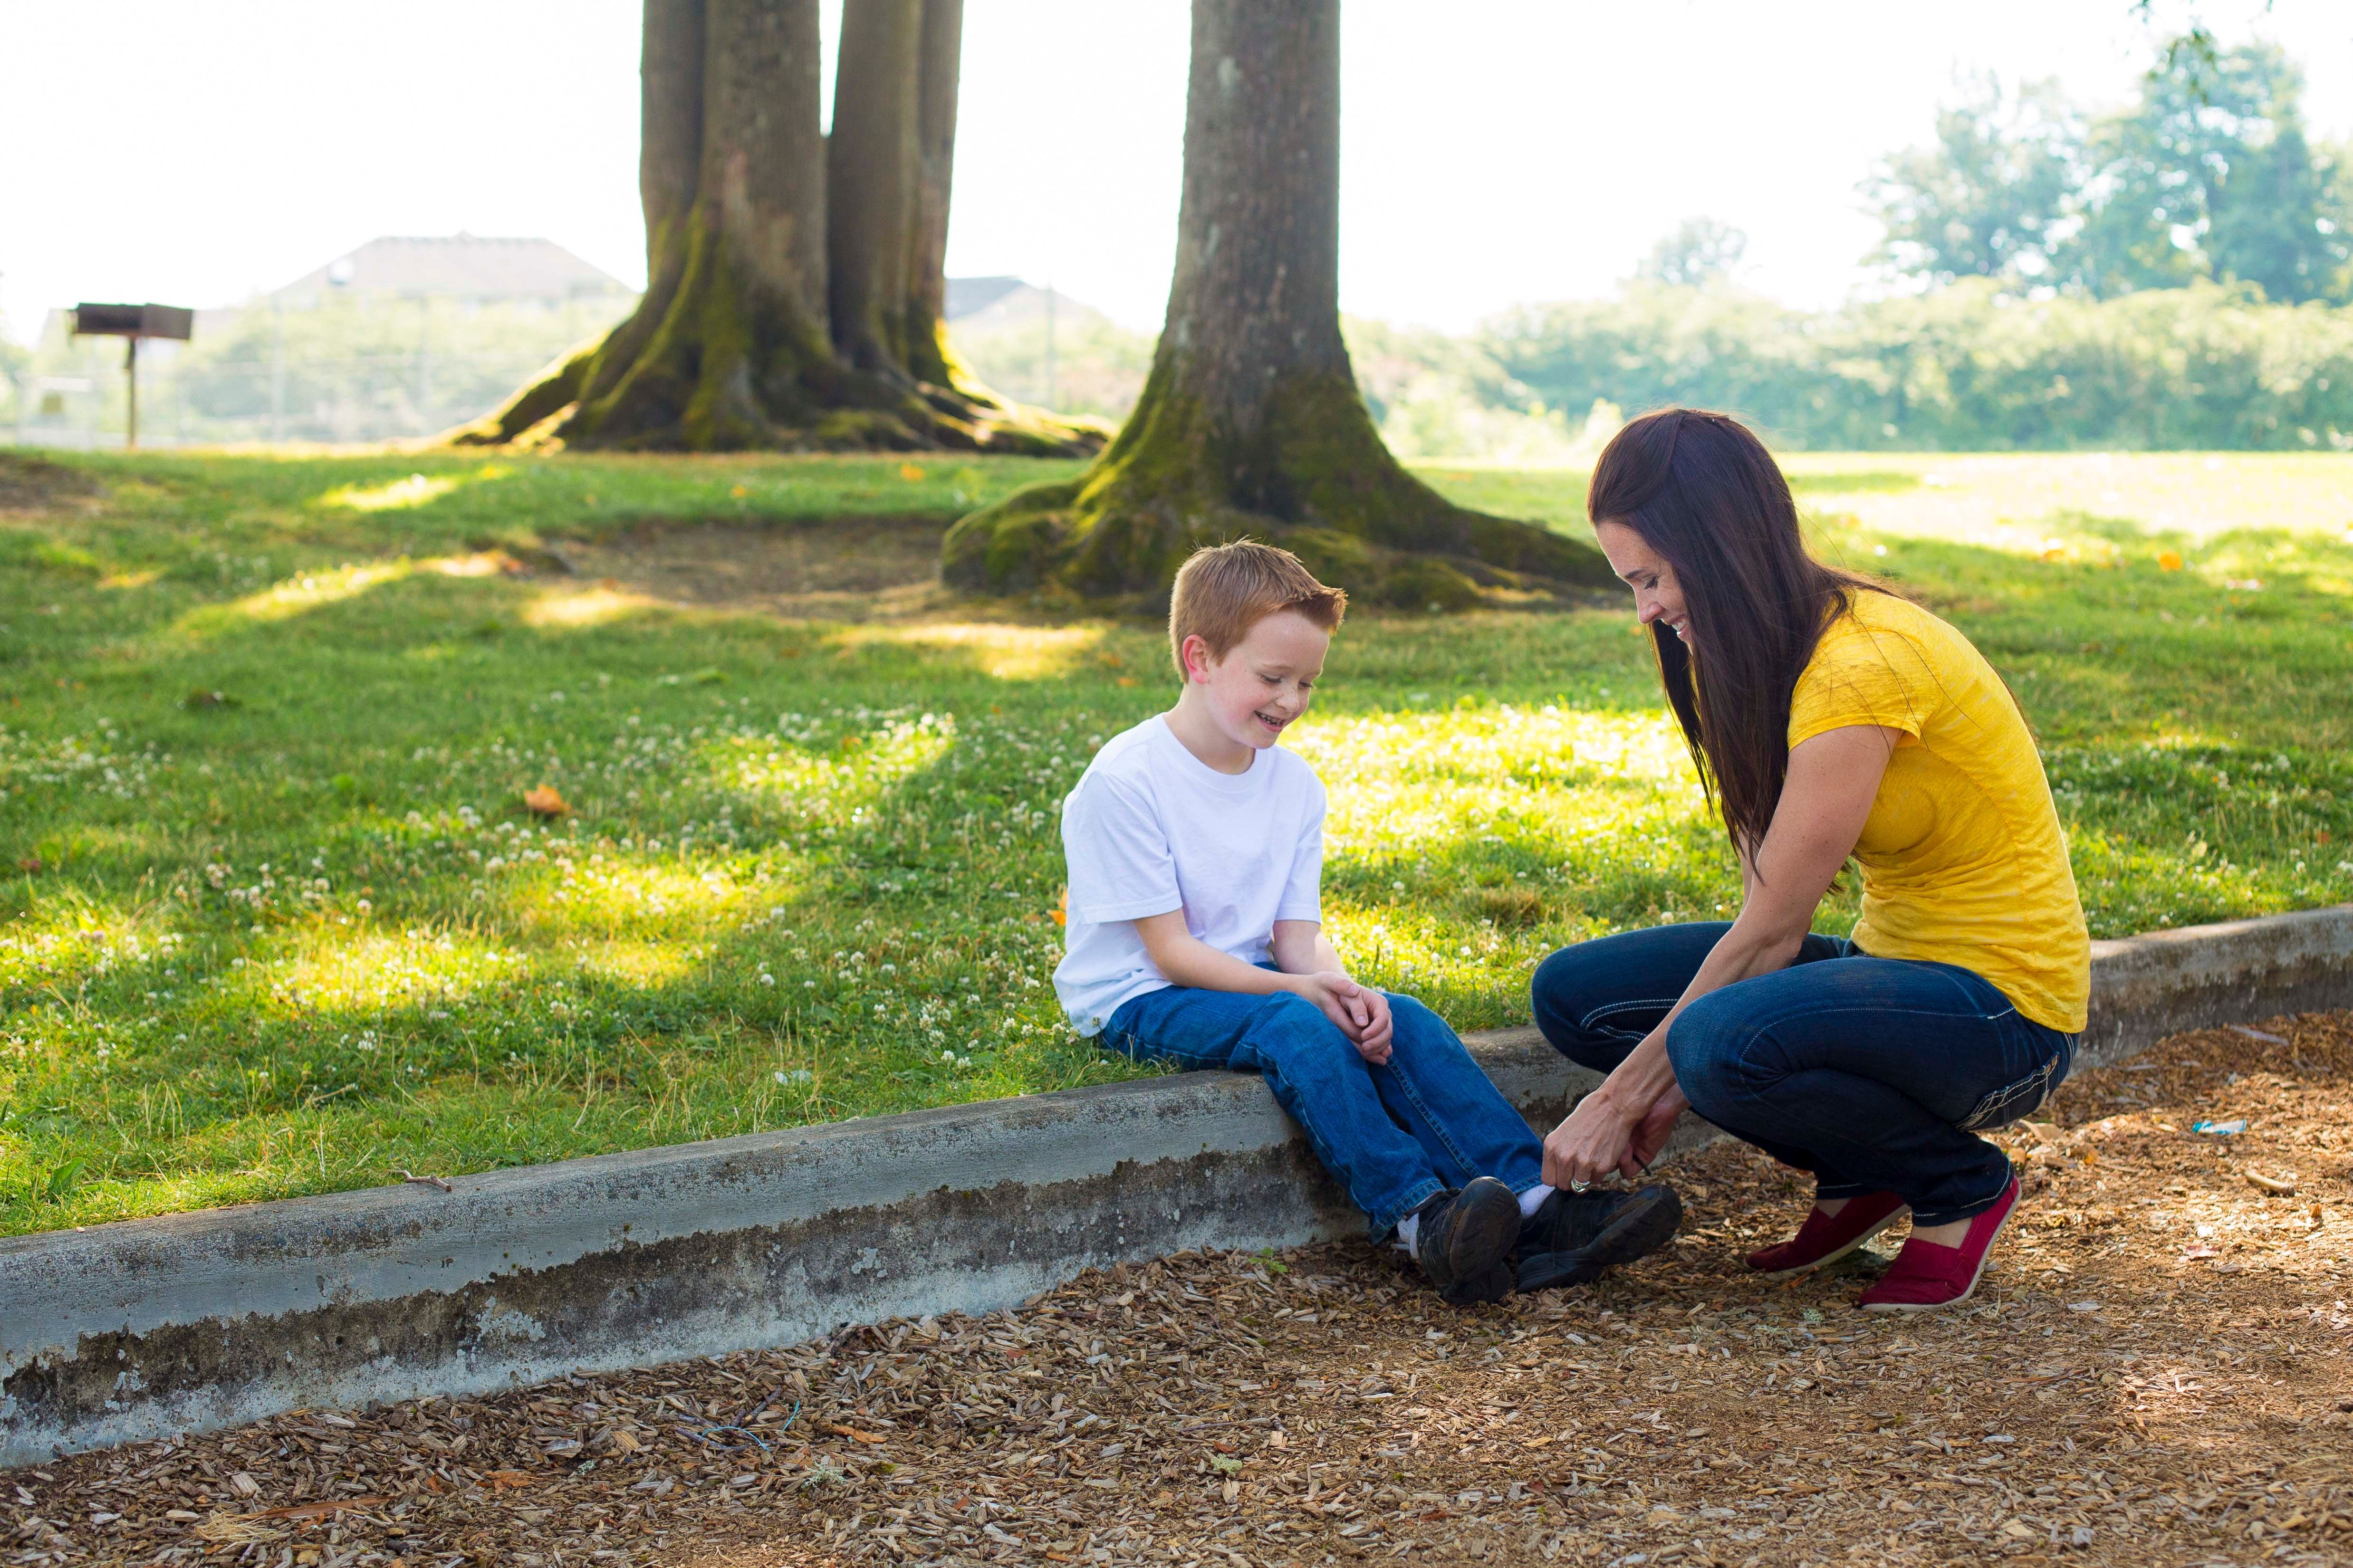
column 132, row 322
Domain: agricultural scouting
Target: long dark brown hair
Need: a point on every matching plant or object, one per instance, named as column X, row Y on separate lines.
column 1704, row 493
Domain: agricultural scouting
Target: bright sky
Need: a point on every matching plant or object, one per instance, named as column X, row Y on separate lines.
column 1493, row 151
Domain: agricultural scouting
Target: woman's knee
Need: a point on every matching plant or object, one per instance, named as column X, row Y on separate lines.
column 1705, row 1046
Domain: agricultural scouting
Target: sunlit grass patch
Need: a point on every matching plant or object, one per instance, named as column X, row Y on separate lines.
column 584, row 606
column 1004, row 652
column 416, row 489
column 300, row 595
column 371, row 972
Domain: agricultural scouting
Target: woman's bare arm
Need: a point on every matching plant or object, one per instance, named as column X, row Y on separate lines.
column 1826, row 798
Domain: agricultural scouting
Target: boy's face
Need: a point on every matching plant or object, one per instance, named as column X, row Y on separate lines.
column 1263, row 682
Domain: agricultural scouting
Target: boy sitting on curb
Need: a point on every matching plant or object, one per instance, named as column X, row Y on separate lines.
column 1196, row 848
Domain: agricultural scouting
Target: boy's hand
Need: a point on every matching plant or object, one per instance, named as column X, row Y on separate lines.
column 1373, row 1043
column 1361, row 1012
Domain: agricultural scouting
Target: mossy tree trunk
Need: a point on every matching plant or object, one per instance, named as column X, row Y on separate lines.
column 871, row 160
column 891, row 162
column 938, row 79
column 1251, row 422
column 732, row 346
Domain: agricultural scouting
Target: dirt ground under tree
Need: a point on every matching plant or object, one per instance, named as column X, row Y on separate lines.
column 2155, row 1371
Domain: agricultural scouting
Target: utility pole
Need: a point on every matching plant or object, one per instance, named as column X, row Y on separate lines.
column 277, row 368
column 424, row 360
column 1049, row 343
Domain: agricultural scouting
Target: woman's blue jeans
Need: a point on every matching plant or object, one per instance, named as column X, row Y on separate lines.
column 1395, row 1135
column 1876, row 1074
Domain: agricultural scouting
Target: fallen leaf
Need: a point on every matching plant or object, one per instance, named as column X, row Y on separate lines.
column 545, row 802
column 507, row 1481
column 848, row 1432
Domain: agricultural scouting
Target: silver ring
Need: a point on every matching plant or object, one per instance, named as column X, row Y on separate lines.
column 1575, row 1187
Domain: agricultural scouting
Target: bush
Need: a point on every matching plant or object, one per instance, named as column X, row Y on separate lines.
column 1966, row 367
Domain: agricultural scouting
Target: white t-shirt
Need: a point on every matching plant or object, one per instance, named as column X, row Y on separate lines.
column 1149, row 829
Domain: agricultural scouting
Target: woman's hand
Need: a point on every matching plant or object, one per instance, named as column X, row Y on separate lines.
column 1650, row 1133
column 1597, row 1139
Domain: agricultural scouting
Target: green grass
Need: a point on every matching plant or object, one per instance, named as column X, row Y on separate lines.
column 305, row 935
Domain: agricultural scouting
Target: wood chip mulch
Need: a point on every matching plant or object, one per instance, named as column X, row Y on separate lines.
column 2155, row 1371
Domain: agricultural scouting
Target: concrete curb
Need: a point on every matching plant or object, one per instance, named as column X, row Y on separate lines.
column 199, row 1321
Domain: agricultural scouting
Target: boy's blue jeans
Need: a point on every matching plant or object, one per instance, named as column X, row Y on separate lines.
column 1395, row 1135
column 1872, row 1073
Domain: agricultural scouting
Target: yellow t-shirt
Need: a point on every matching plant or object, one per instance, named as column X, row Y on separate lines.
column 1962, row 858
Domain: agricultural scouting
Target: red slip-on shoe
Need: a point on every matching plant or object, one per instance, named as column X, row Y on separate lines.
column 1926, row 1277
column 1826, row 1239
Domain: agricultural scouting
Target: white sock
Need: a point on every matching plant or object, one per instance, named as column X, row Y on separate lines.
column 1408, row 1228
column 1533, row 1200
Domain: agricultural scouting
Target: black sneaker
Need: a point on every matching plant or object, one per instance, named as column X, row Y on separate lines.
column 1465, row 1240
column 1573, row 1236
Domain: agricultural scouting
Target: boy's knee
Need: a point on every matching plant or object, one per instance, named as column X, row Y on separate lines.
column 1406, row 1013
column 1287, row 1017
column 1413, row 1027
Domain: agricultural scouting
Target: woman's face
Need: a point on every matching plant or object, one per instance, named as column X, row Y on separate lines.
column 1657, row 595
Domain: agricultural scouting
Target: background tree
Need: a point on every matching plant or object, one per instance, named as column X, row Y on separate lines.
column 782, row 309
column 2211, row 175
column 1700, row 252
column 1989, row 198
column 2208, row 176
column 1251, row 422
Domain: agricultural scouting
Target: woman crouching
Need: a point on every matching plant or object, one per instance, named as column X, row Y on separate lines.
column 1830, row 717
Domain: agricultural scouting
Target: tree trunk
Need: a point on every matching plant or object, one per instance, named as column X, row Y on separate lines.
column 891, row 159
column 1250, row 422
column 872, row 159
column 938, row 76
column 731, row 346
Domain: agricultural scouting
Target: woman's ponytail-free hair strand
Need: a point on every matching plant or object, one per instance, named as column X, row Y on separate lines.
column 1704, row 494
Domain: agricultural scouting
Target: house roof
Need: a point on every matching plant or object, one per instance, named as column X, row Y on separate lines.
column 967, row 295
column 978, row 305
column 461, row 266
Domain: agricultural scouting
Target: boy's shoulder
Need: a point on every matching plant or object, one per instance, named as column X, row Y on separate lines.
column 1149, row 758
column 1128, row 754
